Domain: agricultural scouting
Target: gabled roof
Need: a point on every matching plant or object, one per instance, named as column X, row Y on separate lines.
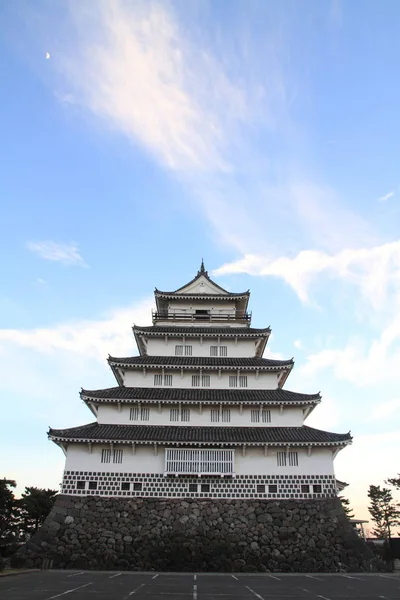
column 217, row 436
column 198, row 395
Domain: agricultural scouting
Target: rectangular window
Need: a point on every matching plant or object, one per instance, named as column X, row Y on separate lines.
column 157, row 379
column 205, row 487
column 260, row 488
column 195, row 380
column 266, row 416
column 192, row 487
column 196, row 461
column 317, row 489
column 188, row 350
column 243, row 381
column 213, row 350
column 168, row 380
column 117, row 456
column 305, row 488
column 92, row 485
column 137, row 487
column 205, row 380
column 293, row 459
column 134, row 414
column 145, row 414
column 80, row 485
column 125, row 486
column 281, row 459
column 214, row 415
column 273, row 488
column 178, row 350
column 185, row 414
column 174, row 414
column 233, row 381
column 226, row 415
column 223, row 350
column 106, row 455
column 255, row 416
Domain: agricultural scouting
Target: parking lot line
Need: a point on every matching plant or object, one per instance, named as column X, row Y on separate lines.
column 273, row 577
column 134, row 591
column 75, row 574
column 194, row 592
column 70, row 591
column 155, row 576
column 116, row 575
column 255, row 593
column 235, row 578
column 313, row 577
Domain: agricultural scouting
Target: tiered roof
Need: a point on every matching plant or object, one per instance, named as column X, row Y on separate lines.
column 219, row 436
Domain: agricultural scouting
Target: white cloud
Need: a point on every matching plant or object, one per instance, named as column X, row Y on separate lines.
column 91, row 339
column 386, row 409
column 386, row 197
column 66, row 254
column 373, row 270
column 298, row 344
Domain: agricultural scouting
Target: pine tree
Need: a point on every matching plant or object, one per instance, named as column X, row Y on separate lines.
column 395, row 482
column 8, row 516
column 348, row 511
column 383, row 510
column 35, row 504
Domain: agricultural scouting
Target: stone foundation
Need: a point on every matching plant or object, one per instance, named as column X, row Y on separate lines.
column 199, row 535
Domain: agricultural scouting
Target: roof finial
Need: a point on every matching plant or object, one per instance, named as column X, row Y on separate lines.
column 202, row 268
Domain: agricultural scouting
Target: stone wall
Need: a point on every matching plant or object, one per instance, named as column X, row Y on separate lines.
column 199, row 535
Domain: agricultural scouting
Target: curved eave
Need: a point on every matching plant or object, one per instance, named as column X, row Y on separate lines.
column 125, row 364
column 88, row 400
column 155, row 442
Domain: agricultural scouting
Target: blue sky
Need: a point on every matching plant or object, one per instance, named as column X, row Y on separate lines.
column 260, row 135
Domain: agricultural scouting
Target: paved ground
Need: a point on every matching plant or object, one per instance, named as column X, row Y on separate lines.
column 92, row 585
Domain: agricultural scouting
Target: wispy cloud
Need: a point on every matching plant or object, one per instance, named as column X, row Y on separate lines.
column 372, row 270
column 89, row 338
column 66, row 254
column 386, row 197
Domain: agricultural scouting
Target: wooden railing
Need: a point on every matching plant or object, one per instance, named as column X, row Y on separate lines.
column 198, row 462
column 192, row 317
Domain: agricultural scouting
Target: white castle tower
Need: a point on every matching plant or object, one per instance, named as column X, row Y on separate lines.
column 199, row 413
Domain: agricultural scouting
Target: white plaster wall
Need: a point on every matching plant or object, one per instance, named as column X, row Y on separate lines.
column 244, row 348
column 111, row 414
column 145, row 461
column 136, row 378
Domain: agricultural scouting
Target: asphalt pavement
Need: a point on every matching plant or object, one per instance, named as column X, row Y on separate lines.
column 97, row 585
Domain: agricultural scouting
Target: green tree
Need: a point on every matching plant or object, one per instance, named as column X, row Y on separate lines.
column 395, row 482
column 8, row 516
column 348, row 511
column 34, row 505
column 383, row 510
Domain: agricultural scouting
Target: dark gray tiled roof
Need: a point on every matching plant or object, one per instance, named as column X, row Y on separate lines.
column 207, row 330
column 203, row 435
column 200, row 361
column 199, row 395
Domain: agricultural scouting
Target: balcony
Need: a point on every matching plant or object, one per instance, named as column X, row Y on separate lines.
column 199, row 462
column 202, row 316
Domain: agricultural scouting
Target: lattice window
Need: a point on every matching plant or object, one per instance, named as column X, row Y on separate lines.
column 260, row 488
column 281, row 459
column 168, row 380
column 226, row 415
column 305, row 488
column 199, row 461
column 317, row 488
column 174, row 414
column 185, row 414
column 117, row 456
column 205, row 487
column 188, row 350
column 223, row 350
column 266, row 416
column 205, row 380
column 193, row 487
column 195, row 380
column 233, row 381
column 80, row 485
column 106, row 455
column 144, row 414
column 137, row 486
column 255, row 416
column 243, row 381
column 273, row 488
column 157, row 379
column 134, row 413
column 179, row 350
column 213, row 350
column 215, row 415
column 92, row 485
column 293, row 459
column 125, row 486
